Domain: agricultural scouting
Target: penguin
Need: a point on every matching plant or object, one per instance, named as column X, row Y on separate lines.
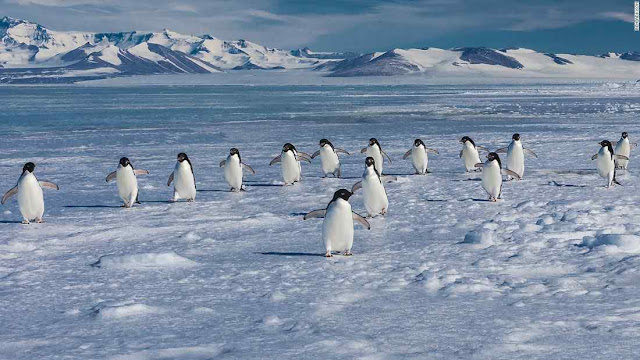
column 337, row 227
column 623, row 147
column 492, row 176
column 419, row 156
column 375, row 196
column 184, row 182
column 233, row 167
column 30, row 197
column 515, row 155
column 469, row 153
column 329, row 158
column 290, row 159
column 127, row 182
column 374, row 150
column 606, row 162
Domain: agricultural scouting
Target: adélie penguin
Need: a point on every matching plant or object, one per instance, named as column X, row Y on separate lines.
column 623, row 147
column 184, row 182
column 469, row 153
column 515, row 155
column 233, row 167
column 419, row 156
column 374, row 150
column 606, row 162
column 30, row 196
column 375, row 196
column 125, row 176
column 329, row 158
column 492, row 176
column 337, row 228
column 290, row 163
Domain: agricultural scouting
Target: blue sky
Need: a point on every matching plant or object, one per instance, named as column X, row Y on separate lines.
column 586, row 26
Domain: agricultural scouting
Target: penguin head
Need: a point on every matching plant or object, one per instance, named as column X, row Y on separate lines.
column 343, row 194
column 373, row 141
column 182, row 157
column 625, row 135
column 417, row 142
column 607, row 144
column 494, row 156
column 234, row 151
column 369, row 161
column 324, row 142
column 124, row 162
column 516, row 137
column 288, row 147
column 466, row 139
column 30, row 167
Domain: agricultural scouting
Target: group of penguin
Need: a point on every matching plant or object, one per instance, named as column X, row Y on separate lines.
column 337, row 229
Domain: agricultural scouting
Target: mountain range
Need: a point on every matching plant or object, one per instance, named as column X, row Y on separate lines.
column 31, row 53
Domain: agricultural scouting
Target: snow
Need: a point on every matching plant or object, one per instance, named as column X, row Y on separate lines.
column 550, row 271
column 142, row 50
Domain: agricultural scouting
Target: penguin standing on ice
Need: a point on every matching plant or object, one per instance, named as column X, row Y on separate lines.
column 329, row 158
column 233, row 167
column 375, row 196
column 492, row 176
column 30, row 196
column 515, row 155
column 374, row 150
column 606, row 162
column 419, row 156
column 623, row 147
column 184, row 182
column 290, row 163
column 469, row 153
column 127, row 182
column 337, row 227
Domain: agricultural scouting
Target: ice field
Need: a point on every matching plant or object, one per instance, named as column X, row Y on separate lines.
column 550, row 271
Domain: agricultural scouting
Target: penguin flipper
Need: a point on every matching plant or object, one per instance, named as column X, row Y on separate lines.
column 388, row 178
column 338, row 150
column 406, row 155
column 634, row 144
column 356, row 186
column 481, row 148
column 530, row 152
column 304, row 154
column 512, row 174
column 432, row 151
column 48, row 185
column 385, row 154
column 594, row 157
column 361, row 220
column 320, row 213
column 461, row 153
column 276, row 159
column 364, row 150
column 501, row 151
column 9, row 194
column 245, row 166
column 620, row 157
column 301, row 157
column 111, row 176
column 313, row 156
column 479, row 165
column 223, row 163
column 140, row 172
column 170, row 180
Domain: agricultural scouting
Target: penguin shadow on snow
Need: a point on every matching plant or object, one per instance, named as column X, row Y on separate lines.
column 279, row 253
column 93, row 206
column 555, row 183
column 10, row 222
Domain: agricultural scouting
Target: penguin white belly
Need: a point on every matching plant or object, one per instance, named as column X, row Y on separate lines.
column 233, row 172
column 420, row 159
column 127, row 185
column 183, row 181
column 337, row 228
column 375, row 197
column 623, row 148
column 30, row 198
column 605, row 164
column 374, row 152
column 492, row 179
column 329, row 159
column 290, row 168
column 470, row 157
column 515, row 158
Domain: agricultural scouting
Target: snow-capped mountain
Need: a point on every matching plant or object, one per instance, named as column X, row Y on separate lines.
column 512, row 62
column 32, row 53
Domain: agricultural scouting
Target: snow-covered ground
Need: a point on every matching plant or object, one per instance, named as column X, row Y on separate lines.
column 551, row 271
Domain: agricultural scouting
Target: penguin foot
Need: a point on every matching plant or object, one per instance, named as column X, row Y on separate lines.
column 328, row 254
column 25, row 222
column 191, row 200
column 39, row 221
column 347, row 253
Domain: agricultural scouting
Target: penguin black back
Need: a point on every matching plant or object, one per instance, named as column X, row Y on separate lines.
column 30, row 167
